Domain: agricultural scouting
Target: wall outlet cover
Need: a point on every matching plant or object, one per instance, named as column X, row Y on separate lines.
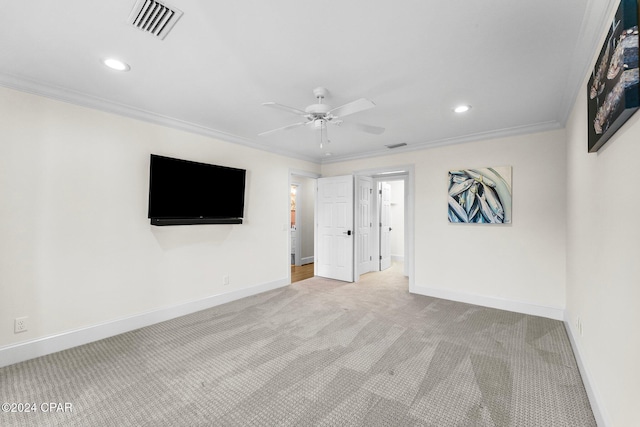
column 20, row 324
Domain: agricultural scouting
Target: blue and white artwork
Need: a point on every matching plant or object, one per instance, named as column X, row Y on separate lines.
column 480, row 196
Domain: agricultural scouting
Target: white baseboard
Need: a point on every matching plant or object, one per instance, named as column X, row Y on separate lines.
column 555, row 313
column 307, row 260
column 20, row 352
column 399, row 258
column 600, row 414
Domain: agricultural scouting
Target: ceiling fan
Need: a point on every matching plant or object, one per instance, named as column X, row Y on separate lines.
column 318, row 115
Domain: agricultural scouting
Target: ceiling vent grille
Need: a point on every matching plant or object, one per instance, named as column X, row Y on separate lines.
column 154, row 17
column 392, row 146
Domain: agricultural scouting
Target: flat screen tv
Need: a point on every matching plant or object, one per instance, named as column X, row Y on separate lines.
column 183, row 192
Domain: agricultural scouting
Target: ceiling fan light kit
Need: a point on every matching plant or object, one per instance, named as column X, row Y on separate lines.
column 318, row 115
column 319, row 124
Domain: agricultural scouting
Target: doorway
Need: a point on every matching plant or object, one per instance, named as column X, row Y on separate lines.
column 302, row 188
column 295, row 247
column 385, row 246
column 391, row 214
column 363, row 228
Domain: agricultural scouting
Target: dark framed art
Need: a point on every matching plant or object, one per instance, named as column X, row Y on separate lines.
column 613, row 91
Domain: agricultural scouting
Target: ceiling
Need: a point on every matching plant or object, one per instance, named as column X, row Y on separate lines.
column 519, row 64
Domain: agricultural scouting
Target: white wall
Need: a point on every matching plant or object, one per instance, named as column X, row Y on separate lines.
column 523, row 262
column 603, row 263
column 76, row 247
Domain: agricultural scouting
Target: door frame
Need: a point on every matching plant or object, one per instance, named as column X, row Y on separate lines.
column 378, row 218
column 306, row 174
column 384, row 174
column 405, row 173
column 297, row 251
column 357, row 226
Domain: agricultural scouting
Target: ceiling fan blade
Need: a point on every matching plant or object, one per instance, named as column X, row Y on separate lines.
column 295, row 125
column 362, row 127
column 285, row 108
column 352, row 107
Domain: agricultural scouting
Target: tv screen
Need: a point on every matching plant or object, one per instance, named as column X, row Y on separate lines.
column 185, row 192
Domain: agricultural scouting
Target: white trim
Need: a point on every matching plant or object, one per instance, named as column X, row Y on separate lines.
column 372, row 264
column 19, row 352
column 409, row 222
column 481, row 136
column 303, row 173
column 409, row 227
column 593, row 31
column 399, row 258
column 307, row 260
column 314, row 176
column 77, row 98
column 556, row 313
column 595, row 398
column 297, row 251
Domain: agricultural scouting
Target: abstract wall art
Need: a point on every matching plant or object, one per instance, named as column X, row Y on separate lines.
column 480, row 196
column 613, row 92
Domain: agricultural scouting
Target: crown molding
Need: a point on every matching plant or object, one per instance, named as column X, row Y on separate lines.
column 77, row 98
column 592, row 33
column 481, row 136
column 81, row 99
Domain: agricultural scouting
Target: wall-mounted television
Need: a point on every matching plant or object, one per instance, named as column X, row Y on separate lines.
column 182, row 192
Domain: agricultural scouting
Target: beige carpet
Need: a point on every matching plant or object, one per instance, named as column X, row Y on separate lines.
column 316, row 353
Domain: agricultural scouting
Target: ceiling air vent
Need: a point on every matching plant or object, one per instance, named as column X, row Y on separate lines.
column 154, row 17
column 391, row 146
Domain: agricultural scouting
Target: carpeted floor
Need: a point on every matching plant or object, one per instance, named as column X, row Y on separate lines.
column 316, row 353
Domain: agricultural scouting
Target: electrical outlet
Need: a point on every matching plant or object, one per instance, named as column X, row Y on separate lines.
column 20, row 324
column 225, row 280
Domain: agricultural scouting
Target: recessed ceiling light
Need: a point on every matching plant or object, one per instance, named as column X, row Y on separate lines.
column 462, row 108
column 116, row 64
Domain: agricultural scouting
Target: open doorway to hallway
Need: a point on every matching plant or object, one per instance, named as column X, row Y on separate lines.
column 364, row 224
column 381, row 216
column 391, row 213
column 388, row 245
column 301, row 222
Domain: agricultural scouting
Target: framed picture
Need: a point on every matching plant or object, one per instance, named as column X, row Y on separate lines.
column 480, row 196
column 613, row 90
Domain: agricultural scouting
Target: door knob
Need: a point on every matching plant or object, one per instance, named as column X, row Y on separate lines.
column 348, row 233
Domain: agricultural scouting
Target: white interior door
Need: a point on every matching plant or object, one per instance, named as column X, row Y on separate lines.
column 335, row 228
column 385, row 226
column 364, row 224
